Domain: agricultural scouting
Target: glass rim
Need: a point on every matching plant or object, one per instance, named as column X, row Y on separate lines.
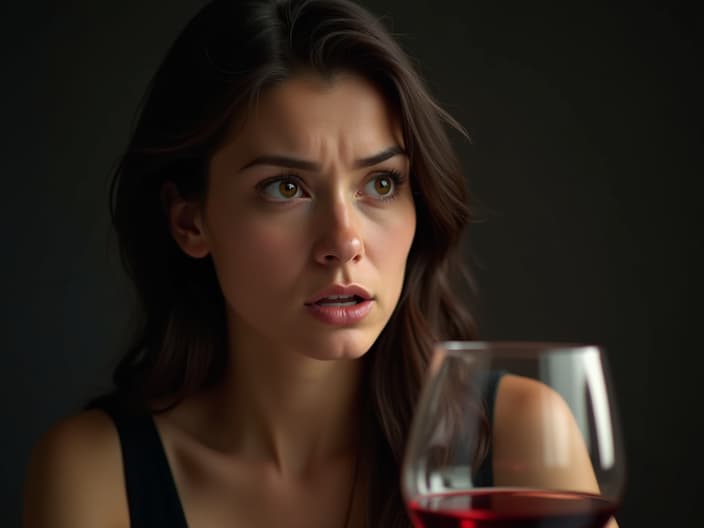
column 516, row 348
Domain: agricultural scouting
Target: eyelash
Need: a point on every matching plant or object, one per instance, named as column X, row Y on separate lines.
column 398, row 179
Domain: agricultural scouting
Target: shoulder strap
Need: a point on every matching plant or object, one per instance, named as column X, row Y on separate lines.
column 485, row 475
column 152, row 496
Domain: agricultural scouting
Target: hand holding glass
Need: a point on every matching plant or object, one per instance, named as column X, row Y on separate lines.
column 546, row 453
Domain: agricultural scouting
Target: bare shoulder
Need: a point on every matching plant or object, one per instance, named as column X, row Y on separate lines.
column 537, row 442
column 527, row 414
column 519, row 397
column 75, row 476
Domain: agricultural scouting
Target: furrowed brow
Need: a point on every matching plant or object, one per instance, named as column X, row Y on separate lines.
column 380, row 157
column 305, row 165
column 283, row 161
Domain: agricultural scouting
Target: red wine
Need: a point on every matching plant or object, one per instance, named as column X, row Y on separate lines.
column 514, row 508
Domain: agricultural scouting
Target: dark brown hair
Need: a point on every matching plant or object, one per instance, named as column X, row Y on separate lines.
column 222, row 61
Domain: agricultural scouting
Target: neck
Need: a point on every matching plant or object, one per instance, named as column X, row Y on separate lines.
column 293, row 410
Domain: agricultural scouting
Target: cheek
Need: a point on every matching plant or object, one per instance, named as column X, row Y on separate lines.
column 390, row 244
column 401, row 231
column 255, row 256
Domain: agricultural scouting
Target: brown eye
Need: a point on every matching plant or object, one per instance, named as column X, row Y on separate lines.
column 381, row 186
column 282, row 190
column 288, row 189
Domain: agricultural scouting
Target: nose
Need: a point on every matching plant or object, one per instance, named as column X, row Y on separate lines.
column 339, row 240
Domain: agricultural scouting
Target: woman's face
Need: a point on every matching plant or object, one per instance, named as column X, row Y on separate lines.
column 309, row 218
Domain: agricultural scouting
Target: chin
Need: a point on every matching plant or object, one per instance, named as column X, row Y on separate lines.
column 338, row 347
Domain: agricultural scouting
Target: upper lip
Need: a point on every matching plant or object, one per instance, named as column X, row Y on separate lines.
column 340, row 289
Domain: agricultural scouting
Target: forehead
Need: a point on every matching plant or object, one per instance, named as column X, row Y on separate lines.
column 345, row 114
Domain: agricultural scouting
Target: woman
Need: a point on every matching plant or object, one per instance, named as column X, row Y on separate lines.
column 288, row 209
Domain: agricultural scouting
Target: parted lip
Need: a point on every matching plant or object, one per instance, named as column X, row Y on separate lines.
column 340, row 290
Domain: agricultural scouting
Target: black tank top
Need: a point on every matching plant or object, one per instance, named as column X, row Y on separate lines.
column 152, row 496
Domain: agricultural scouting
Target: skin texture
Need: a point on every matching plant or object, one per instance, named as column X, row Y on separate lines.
column 272, row 253
column 75, row 478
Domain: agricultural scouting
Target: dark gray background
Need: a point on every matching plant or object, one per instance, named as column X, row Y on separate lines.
column 586, row 155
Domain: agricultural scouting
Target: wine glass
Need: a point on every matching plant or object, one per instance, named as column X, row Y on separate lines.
column 515, row 434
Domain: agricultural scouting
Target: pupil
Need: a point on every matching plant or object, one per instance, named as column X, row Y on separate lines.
column 288, row 189
column 382, row 185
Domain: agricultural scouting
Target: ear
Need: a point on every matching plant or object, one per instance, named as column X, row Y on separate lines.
column 185, row 221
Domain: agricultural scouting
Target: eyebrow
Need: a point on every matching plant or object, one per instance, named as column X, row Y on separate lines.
column 300, row 164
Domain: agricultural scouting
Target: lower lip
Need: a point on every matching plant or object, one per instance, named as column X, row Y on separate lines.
column 341, row 315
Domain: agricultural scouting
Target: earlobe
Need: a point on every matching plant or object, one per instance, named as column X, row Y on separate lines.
column 185, row 221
